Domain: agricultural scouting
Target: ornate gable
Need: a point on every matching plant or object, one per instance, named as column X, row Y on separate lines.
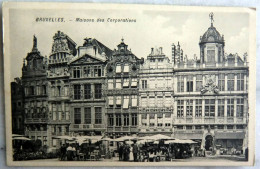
column 87, row 59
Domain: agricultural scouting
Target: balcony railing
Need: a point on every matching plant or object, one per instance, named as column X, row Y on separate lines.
column 36, row 120
column 210, row 120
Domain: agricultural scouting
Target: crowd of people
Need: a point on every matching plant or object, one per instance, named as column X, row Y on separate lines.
column 152, row 152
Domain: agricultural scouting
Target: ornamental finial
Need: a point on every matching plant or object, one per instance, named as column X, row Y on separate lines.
column 211, row 15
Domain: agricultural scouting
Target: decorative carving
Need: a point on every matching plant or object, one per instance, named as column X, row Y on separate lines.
column 210, row 85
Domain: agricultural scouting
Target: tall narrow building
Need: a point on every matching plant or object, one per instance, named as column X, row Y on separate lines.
column 122, row 92
column 34, row 81
column 63, row 50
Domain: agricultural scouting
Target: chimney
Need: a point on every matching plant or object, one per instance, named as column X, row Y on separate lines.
column 151, row 51
column 161, row 51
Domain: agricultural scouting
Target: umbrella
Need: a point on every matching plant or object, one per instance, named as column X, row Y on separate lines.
column 65, row 137
column 161, row 137
column 125, row 138
column 21, row 138
column 17, row 135
column 107, row 139
column 178, row 141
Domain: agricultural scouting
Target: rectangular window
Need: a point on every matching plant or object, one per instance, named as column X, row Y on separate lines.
column 199, row 79
column 111, row 101
column 221, row 127
column 77, row 116
column 151, row 124
column 118, row 68
column 87, row 115
column 230, row 127
column 198, row 127
column 134, row 101
column 126, row 82
column 240, row 81
column 118, row 120
column 144, row 116
column 209, row 107
column 76, row 72
column 98, row 115
column 151, row 116
column 98, row 91
column 180, row 105
column 134, row 119
column 111, row 120
column 179, row 127
column 134, row 82
column 87, row 91
column 77, row 92
column 167, row 124
column 97, row 71
column 198, row 108
column 188, row 127
column 44, row 90
column 189, row 84
column 118, row 84
column 126, row 102
column 110, row 84
column 54, row 142
column 87, row 71
column 230, row 82
column 189, row 108
column 126, row 68
column 240, row 107
column 167, row 115
column 126, row 119
column 221, row 82
column 160, row 101
column 159, row 124
column 230, row 107
column 211, row 56
column 180, row 84
column 118, row 101
column 144, row 84
column 221, row 105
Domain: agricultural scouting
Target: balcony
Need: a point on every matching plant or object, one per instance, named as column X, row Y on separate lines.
column 35, row 120
column 210, row 120
column 87, row 127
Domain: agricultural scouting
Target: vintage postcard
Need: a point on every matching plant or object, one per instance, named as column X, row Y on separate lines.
column 129, row 85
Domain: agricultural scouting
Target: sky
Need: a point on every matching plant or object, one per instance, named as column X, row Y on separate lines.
column 153, row 28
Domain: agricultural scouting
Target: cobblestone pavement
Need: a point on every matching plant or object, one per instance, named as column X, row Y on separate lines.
column 223, row 158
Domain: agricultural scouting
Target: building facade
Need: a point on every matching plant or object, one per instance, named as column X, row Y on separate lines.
column 17, row 98
column 156, row 94
column 92, row 90
column 34, row 82
column 122, row 92
column 87, row 81
column 211, row 96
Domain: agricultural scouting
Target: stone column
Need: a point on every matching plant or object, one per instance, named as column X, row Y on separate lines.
column 194, row 83
column 184, row 108
column 235, row 82
column 185, row 83
column 225, row 111
column 225, row 82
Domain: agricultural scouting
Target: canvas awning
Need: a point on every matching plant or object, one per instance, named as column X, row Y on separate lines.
column 134, row 102
column 230, row 135
column 126, row 68
column 126, row 103
column 110, row 101
column 118, row 100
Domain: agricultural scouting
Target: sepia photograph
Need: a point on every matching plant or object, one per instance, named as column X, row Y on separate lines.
column 129, row 85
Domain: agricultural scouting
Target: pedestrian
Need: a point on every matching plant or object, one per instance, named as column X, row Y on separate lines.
column 135, row 151
column 69, row 153
column 120, row 151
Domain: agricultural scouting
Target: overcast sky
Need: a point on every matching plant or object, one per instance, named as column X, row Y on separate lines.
column 152, row 29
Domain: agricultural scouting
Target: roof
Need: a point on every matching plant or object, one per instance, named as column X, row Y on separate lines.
column 212, row 36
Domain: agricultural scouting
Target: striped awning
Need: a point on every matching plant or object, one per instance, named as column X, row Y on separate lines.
column 230, row 135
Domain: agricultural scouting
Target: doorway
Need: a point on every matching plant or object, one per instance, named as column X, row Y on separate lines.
column 208, row 142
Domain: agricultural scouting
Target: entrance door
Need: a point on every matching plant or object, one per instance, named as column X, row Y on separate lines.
column 209, row 142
